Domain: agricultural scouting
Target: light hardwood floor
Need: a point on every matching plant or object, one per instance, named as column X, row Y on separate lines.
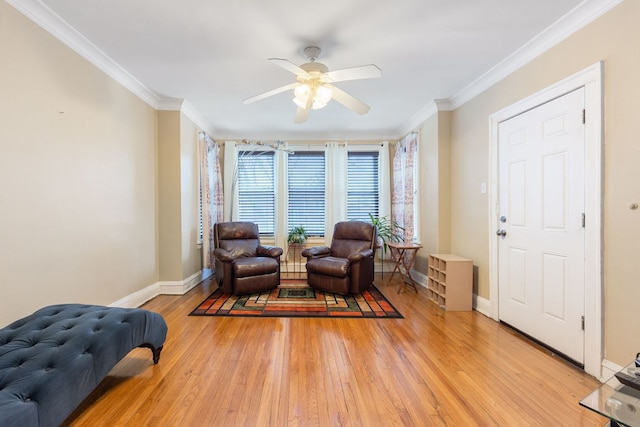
column 432, row 368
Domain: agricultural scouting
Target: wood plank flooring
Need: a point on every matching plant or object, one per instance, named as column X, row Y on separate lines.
column 432, row 368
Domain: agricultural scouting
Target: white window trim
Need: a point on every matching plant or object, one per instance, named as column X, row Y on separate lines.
column 336, row 187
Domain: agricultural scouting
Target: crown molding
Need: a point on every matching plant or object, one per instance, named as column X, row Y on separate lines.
column 200, row 121
column 422, row 115
column 418, row 118
column 574, row 20
column 169, row 104
column 51, row 22
column 315, row 136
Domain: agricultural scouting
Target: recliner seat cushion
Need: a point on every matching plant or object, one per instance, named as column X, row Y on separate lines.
column 245, row 267
column 329, row 266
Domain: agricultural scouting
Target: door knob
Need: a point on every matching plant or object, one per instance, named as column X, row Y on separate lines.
column 501, row 233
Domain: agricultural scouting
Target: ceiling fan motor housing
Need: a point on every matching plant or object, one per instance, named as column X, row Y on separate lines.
column 312, row 52
column 317, row 67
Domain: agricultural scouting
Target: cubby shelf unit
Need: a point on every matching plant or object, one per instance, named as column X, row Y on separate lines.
column 450, row 282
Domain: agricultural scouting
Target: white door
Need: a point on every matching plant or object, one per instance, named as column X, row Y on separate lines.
column 540, row 229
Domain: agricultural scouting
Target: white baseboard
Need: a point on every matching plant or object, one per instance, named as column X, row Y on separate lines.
column 385, row 266
column 608, row 369
column 138, row 298
column 420, row 278
column 482, row 305
column 181, row 288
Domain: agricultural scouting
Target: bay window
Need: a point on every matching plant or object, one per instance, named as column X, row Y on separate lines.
column 312, row 185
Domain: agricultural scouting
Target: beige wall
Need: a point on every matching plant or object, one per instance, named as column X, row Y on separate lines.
column 434, row 188
column 77, row 177
column 98, row 191
column 169, row 198
column 190, row 197
column 615, row 39
column 179, row 254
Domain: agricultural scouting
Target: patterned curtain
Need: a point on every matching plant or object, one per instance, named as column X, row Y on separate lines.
column 402, row 198
column 212, row 195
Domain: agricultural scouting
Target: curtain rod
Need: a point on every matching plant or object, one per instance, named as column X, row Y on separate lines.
column 275, row 146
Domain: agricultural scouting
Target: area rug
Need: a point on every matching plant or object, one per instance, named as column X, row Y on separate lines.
column 294, row 298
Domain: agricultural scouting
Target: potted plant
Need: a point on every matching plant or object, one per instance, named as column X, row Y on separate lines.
column 296, row 238
column 387, row 230
column 297, row 235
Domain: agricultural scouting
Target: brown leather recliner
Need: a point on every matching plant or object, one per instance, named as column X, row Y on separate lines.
column 347, row 266
column 242, row 265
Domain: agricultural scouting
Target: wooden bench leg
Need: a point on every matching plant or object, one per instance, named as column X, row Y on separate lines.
column 156, row 352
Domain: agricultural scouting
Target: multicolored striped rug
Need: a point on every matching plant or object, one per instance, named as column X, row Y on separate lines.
column 294, row 298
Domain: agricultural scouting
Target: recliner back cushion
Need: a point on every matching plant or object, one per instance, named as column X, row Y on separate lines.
column 344, row 248
column 351, row 237
column 240, row 247
column 241, row 239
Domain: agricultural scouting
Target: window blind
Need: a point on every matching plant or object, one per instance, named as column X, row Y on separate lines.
column 256, row 189
column 362, row 185
column 306, row 187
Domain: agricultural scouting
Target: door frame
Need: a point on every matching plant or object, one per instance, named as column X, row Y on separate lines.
column 591, row 79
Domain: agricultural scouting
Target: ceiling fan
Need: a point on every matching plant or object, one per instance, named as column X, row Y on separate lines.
column 313, row 88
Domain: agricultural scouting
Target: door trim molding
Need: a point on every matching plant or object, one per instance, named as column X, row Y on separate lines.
column 591, row 79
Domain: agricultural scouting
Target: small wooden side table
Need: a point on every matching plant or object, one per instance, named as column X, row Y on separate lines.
column 404, row 255
column 294, row 249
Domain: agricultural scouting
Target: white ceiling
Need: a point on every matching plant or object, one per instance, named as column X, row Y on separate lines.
column 213, row 53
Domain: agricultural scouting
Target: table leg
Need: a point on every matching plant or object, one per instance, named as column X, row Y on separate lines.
column 396, row 257
column 407, row 263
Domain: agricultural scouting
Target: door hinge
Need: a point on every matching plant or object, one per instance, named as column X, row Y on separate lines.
column 584, row 116
column 582, row 321
column 583, row 220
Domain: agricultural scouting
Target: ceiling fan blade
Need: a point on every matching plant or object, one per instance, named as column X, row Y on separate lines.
column 349, row 101
column 356, row 73
column 271, row 93
column 303, row 113
column 290, row 66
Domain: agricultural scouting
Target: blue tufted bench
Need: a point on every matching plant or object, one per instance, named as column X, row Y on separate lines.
column 51, row 360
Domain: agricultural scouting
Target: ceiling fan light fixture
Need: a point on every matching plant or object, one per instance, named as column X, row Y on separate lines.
column 323, row 95
column 318, row 105
column 301, row 93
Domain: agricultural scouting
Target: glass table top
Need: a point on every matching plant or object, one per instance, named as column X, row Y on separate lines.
column 616, row 401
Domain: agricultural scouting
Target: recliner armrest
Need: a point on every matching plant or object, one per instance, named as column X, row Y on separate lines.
column 223, row 255
column 316, row 251
column 358, row 256
column 270, row 251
